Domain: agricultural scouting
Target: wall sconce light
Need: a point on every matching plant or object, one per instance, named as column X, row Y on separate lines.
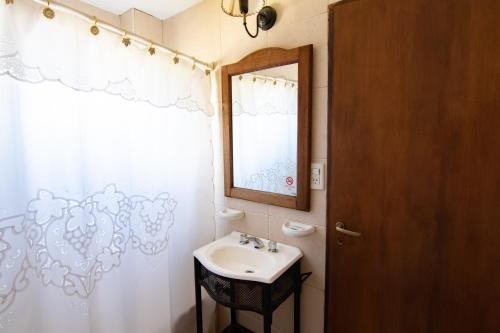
column 266, row 15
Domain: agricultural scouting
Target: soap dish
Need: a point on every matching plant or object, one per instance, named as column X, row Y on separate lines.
column 229, row 214
column 297, row 229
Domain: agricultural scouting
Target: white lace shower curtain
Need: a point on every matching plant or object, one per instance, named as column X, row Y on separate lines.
column 105, row 180
column 266, row 161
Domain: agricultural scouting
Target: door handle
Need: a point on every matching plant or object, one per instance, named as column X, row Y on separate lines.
column 340, row 227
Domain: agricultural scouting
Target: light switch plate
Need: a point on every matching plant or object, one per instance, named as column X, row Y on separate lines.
column 317, row 176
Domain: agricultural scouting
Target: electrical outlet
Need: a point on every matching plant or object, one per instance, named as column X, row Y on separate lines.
column 317, row 176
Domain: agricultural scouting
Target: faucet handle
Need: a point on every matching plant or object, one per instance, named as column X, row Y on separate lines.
column 273, row 246
column 244, row 239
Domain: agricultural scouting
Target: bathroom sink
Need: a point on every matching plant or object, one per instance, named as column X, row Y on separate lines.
column 228, row 258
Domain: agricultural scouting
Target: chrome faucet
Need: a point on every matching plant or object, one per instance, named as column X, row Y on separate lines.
column 272, row 246
column 257, row 243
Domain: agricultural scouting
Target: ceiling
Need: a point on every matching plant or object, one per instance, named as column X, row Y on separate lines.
column 161, row 9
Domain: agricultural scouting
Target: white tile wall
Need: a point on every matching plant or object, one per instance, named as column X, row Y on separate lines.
column 207, row 33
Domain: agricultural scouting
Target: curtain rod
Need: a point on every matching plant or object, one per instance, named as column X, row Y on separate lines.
column 269, row 78
column 122, row 32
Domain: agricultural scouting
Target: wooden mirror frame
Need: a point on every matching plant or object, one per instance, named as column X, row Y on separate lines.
column 258, row 60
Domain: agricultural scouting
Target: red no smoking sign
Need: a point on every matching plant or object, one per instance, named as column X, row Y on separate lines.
column 289, row 180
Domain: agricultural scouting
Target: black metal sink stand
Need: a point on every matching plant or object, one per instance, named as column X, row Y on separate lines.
column 246, row 295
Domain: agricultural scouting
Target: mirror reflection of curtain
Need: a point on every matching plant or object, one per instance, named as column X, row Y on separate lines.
column 106, row 186
column 264, row 134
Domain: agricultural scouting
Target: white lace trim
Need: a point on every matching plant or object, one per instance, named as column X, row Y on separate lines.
column 13, row 66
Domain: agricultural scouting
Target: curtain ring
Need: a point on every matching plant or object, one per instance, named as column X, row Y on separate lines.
column 48, row 12
column 151, row 49
column 94, row 29
column 125, row 40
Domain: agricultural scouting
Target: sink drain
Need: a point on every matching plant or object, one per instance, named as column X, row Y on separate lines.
column 249, row 271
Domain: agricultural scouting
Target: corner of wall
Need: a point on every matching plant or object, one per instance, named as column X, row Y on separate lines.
column 142, row 24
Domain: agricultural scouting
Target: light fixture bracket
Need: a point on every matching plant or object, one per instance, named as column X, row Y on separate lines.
column 266, row 18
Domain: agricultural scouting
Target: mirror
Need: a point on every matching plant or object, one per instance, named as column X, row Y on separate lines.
column 266, row 115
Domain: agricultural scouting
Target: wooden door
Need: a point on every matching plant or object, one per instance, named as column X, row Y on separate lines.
column 414, row 165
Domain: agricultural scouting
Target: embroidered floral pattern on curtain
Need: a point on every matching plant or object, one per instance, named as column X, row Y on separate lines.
column 97, row 230
column 105, row 166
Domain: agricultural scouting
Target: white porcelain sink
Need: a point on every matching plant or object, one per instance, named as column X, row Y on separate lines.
column 226, row 257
